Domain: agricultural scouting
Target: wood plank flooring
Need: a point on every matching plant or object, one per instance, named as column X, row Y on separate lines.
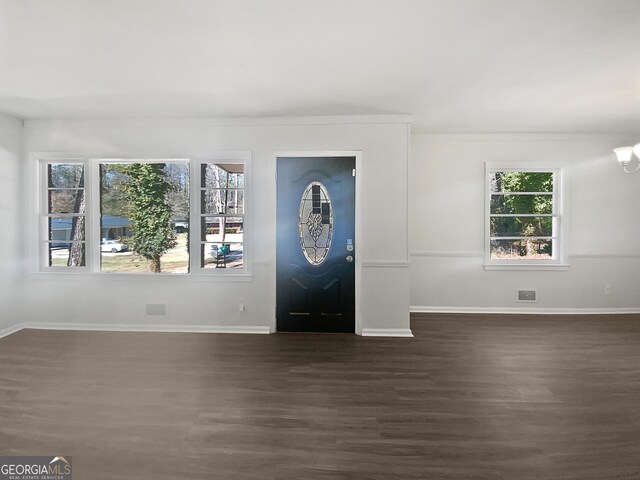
column 470, row 397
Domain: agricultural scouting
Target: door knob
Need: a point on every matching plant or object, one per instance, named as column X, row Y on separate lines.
column 349, row 258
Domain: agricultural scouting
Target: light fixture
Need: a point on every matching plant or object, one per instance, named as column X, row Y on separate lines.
column 625, row 154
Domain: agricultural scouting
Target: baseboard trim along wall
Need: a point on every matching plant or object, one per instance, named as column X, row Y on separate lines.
column 387, row 332
column 9, row 330
column 261, row 330
column 526, row 311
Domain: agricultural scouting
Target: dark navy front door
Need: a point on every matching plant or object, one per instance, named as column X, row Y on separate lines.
column 315, row 280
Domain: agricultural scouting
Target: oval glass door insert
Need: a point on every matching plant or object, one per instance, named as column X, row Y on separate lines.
column 315, row 223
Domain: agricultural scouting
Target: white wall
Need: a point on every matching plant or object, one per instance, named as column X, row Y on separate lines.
column 444, row 243
column 446, row 220
column 90, row 300
column 10, row 219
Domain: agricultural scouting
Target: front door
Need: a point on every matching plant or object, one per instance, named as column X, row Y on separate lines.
column 315, row 279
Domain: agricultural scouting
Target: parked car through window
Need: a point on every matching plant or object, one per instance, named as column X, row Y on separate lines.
column 112, row 246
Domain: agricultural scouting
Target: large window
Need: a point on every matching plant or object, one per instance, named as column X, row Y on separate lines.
column 142, row 216
column 522, row 215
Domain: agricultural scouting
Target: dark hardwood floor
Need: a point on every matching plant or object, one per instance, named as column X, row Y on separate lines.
column 470, row 397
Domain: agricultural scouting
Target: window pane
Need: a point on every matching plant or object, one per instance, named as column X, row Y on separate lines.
column 144, row 207
column 315, row 223
column 221, row 255
column 64, row 229
column 222, row 210
column 521, row 226
column 222, row 201
column 114, row 227
column 222, row 229
column 526, row 249
column 66, row 254
column 173, row 261
column 117, row 257
column 521, row 204
column 521, row 182
column 113, row 184
column 65, row 175
column 222, row 175
column 66, row 201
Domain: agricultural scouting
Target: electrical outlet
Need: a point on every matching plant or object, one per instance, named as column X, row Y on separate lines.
column 528, row 296
column 607, row 289
column 156, row 309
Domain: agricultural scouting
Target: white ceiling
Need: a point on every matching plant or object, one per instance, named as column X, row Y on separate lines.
column 455, row 65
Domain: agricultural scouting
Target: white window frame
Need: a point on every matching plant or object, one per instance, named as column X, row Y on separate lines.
column 92, row 211
column 196, row 213
column 96, row 229
column 557, row 260
column 44, row 215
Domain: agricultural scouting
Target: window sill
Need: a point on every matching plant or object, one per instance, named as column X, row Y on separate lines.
column 143, row 277
column 556, row 267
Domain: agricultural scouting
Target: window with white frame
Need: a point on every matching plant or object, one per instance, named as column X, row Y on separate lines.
column 64, row 218
column 141, row 216
column 522, row 216
column 222, row 187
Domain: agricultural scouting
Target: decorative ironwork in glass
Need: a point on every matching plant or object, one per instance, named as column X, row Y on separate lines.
column 315, row 223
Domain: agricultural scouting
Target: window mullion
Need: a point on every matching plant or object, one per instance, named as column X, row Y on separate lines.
column 93, row 246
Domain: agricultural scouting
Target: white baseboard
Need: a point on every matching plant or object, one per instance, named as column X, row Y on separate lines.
column 12, row 329
column 386, row 332
column 525, row 310
column 254, row 329
column 251, row 329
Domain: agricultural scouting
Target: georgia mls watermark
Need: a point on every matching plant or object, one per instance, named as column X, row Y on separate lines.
column 35, row 468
